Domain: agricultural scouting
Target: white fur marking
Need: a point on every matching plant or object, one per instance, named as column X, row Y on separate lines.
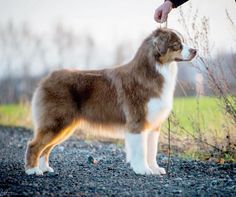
column 44, row 166
column 137, row 151
column 127, row 151
column 153, row 137
column 35, row 170
column 158, row 109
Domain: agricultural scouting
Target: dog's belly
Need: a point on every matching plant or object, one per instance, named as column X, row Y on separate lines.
column 158, row 111
column 114, row 131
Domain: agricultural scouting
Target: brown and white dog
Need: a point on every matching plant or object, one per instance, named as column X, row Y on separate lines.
column 132, row 100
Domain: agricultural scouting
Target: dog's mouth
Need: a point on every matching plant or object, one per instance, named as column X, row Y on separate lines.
column 183, row 60
column 177, row 59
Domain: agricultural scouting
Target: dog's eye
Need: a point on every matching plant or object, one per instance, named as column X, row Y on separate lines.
column 176, row 47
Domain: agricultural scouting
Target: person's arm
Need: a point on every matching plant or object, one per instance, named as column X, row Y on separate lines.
column 163, row 10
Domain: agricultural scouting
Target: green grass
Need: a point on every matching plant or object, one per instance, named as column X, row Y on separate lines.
column 15, row 115
column 193, row 113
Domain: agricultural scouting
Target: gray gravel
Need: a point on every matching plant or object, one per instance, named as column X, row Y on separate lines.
column 76, row 173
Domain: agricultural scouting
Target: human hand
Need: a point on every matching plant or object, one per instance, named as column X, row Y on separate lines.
column 162, row 12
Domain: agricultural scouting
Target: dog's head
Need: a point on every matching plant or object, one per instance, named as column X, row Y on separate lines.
column 168, row 46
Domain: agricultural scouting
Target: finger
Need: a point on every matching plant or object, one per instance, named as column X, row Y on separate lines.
column 158, row 16
column 164, row 17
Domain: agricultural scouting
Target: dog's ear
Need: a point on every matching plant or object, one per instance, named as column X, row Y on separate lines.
column 160, row 42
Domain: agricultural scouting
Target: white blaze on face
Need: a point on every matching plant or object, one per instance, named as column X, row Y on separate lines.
column 185, row 52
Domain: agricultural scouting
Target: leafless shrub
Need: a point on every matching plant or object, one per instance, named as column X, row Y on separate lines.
column 217, row 76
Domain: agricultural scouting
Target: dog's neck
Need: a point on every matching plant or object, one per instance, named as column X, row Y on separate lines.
column 170, row 68
column 168, row 71
column 146, row 64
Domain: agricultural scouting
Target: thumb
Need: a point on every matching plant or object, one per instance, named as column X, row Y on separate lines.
column 158, row 16
column 164, row 17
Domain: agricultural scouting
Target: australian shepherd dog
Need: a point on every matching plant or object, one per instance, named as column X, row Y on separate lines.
column 130, row 101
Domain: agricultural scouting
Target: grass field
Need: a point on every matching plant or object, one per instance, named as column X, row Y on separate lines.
column 186, row 110
column 204, row 112
column 15, row 115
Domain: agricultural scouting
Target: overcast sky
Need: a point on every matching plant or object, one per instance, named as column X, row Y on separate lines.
column 112, row 21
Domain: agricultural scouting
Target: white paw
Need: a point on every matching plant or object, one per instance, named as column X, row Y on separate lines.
column 44, row 166
column 35, row 170
column 158, row 170
column 47, row 169
column 142, row 169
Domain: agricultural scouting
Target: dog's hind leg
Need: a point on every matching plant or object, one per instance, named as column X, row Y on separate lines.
column 62, row 136
column 38, row 150
column 34, row 149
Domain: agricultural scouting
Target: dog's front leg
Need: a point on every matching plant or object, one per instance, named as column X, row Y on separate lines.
column 152, row 147
column 136, row 150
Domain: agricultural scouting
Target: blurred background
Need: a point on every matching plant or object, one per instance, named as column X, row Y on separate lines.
column 38, row 36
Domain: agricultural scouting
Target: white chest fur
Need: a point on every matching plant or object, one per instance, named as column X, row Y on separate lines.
column 158, row 109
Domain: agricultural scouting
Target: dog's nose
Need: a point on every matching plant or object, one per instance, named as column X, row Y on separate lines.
column 193, row 51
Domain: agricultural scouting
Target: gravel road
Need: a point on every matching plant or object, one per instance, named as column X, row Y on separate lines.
column 110, row 176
